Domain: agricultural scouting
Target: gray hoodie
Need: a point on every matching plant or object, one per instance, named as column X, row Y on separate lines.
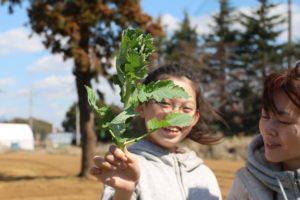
column 261, row 179
column 174, row 176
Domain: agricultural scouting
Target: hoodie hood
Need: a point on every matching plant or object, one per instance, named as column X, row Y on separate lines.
column 188, row 160
column 272, row 174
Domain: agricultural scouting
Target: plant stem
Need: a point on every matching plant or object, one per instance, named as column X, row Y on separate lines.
column 127, row 95
column 138, row 138
column 111, row 133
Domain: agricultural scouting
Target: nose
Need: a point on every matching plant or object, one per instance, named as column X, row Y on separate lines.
column 177, row 108
column 271, row 128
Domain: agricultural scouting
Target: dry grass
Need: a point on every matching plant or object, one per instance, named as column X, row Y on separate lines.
column 51, row 174
column 234, row 148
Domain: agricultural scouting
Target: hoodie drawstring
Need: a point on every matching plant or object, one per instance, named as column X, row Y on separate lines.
column 281, row 188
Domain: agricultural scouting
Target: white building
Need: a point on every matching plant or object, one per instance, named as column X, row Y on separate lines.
column 16, row 136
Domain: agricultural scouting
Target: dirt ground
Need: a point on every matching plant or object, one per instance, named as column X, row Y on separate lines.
column 36, row 176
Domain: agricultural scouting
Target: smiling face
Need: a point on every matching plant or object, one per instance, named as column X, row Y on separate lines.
column 281, row 132
column 169, row 137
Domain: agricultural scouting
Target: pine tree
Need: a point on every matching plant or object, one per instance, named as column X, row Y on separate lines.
column 182, row 47
column 220, row 46
column 259, row 49
column 257, row 53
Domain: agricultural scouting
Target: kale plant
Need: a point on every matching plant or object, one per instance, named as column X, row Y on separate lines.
column 131, row 64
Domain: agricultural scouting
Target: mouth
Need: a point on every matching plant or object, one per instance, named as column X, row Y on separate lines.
column 271, row 145
column 172, row 131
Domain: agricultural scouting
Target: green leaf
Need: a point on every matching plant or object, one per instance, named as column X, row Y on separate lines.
column 140, row 94
column 91, row 97
column 179, row 119
column 131, row 67
column 116, row 80
column 154, row 124
column 118, row 129
column 119, row 124
column 134, row 50
column 105, row 113
column 172, row 119
column 136, row 66
column 162, row 89
column 131, row 61
column 123, row 116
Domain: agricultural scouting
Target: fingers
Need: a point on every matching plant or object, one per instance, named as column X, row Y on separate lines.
column 118, row 153
column 116, row 167
column 103, row 164
column 130, row 157
column 95, row 171
column 113, row 159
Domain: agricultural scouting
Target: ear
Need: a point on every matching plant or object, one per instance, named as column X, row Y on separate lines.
column 196, row 118
column 140, row 109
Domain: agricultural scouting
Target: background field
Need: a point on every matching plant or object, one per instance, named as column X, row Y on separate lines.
column 51, row 175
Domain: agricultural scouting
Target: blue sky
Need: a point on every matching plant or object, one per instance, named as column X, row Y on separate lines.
column 29, row 73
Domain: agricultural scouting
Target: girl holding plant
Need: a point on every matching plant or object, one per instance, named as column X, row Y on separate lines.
column 273, row 167
column 154, row 167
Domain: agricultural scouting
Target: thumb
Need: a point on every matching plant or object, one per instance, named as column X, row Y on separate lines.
column 130, row 156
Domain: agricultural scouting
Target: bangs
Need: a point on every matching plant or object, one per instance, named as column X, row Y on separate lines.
column 272, row 84
column 287, row 82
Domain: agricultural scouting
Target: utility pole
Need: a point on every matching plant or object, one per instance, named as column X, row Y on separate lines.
column 77, row 125
column 289, row 34
column 30, row 110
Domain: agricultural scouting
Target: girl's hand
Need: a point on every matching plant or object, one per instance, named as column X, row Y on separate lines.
column 117, row 169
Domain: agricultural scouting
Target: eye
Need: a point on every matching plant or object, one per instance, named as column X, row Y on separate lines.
column 152, row 101
column 164, row 103
column 284, row 122
column 187, row 109
column 264, row 116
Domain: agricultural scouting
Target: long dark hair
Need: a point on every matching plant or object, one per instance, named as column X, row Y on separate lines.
column 200, row 132
column 288, row 81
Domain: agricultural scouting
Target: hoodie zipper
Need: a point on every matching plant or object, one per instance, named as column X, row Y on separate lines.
column 179, row 176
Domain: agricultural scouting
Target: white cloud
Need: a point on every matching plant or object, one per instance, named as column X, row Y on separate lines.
column 202, row 22
column 170, row 23
column 53, row 82
column 18, row 40
column 23, row 92
column 111, row 96
column 245, row 10
column 54, row 87
column 296, row 22
column 281, row 10
column 6, row 82
column 53, row 96
column 51, row 64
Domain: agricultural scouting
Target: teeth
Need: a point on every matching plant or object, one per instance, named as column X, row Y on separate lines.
column 173, row 129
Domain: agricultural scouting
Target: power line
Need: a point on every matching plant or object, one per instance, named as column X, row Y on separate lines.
column 202, row 5
column 289, row 33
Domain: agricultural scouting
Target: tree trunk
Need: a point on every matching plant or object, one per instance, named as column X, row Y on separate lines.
column 223, row 65
column 88, row 136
